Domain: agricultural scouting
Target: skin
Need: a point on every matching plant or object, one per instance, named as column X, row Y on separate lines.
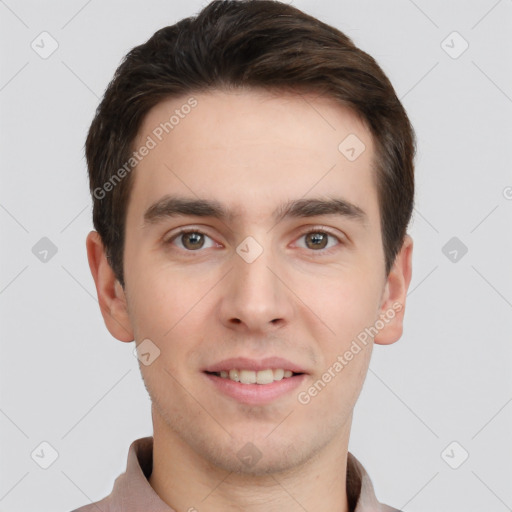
column 252, row 151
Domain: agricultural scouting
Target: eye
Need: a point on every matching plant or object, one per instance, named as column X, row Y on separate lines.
column 318, row 240
column 191, row 240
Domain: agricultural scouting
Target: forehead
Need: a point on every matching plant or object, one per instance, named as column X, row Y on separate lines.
column 244, row 146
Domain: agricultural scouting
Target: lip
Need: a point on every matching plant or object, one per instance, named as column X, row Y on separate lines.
column 245, row 363
column 255, row 394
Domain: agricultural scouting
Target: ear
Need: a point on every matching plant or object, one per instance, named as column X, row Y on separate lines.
column 392, row 307
column 111, row 296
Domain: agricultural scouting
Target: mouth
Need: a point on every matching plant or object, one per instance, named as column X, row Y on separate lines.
column 249, row 381
column 262, row 377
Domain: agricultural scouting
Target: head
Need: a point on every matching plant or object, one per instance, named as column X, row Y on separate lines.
column 250, row 110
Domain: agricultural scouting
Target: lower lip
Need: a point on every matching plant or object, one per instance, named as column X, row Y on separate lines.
column 256, row 394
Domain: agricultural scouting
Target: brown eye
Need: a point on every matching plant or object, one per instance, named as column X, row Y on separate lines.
column 319, row 241
column 191, row 240
column 316, row 240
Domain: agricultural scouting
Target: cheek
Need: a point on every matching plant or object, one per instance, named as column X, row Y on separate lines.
column 333, row 393
column 345, row 302
column 170, row 312
column 162, row 302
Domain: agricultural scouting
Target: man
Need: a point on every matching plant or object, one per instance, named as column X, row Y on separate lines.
column 252, row 179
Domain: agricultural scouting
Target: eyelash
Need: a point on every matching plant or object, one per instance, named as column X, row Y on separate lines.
column 318, row 229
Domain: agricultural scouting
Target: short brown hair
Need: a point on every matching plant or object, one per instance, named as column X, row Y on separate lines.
column 248, row 43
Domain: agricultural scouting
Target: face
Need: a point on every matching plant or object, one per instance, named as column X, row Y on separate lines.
column 281, row 267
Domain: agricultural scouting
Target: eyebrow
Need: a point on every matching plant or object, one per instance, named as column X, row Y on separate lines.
column 172, row 206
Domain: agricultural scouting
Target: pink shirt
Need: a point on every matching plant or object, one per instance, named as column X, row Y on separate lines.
column 132, row 492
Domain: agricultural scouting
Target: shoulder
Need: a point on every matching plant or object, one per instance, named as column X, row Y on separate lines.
column 387, row 508
column 103, row 505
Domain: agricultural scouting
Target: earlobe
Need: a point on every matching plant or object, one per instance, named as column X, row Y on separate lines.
column 392, row 307
column 111, row 296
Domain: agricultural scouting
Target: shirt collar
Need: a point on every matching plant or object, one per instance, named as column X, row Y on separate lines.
column 132, row 491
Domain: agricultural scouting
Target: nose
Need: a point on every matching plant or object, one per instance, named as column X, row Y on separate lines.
column 255, row 297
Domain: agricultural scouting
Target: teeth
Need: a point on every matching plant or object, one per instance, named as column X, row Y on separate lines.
column 264, row 377
column 278, row 374
column 247, row 377
column 256, row 377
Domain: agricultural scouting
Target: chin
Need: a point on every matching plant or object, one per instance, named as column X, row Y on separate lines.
column 260, row 455
column 252, row 460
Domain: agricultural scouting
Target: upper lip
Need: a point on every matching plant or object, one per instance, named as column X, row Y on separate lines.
column 245, row 363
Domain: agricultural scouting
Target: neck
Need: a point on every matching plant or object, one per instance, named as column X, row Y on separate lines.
column 187, row 482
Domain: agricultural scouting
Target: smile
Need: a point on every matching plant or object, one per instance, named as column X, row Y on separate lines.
column 255, row 377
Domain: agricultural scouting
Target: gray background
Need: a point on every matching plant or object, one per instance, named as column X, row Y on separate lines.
column 66, row 381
